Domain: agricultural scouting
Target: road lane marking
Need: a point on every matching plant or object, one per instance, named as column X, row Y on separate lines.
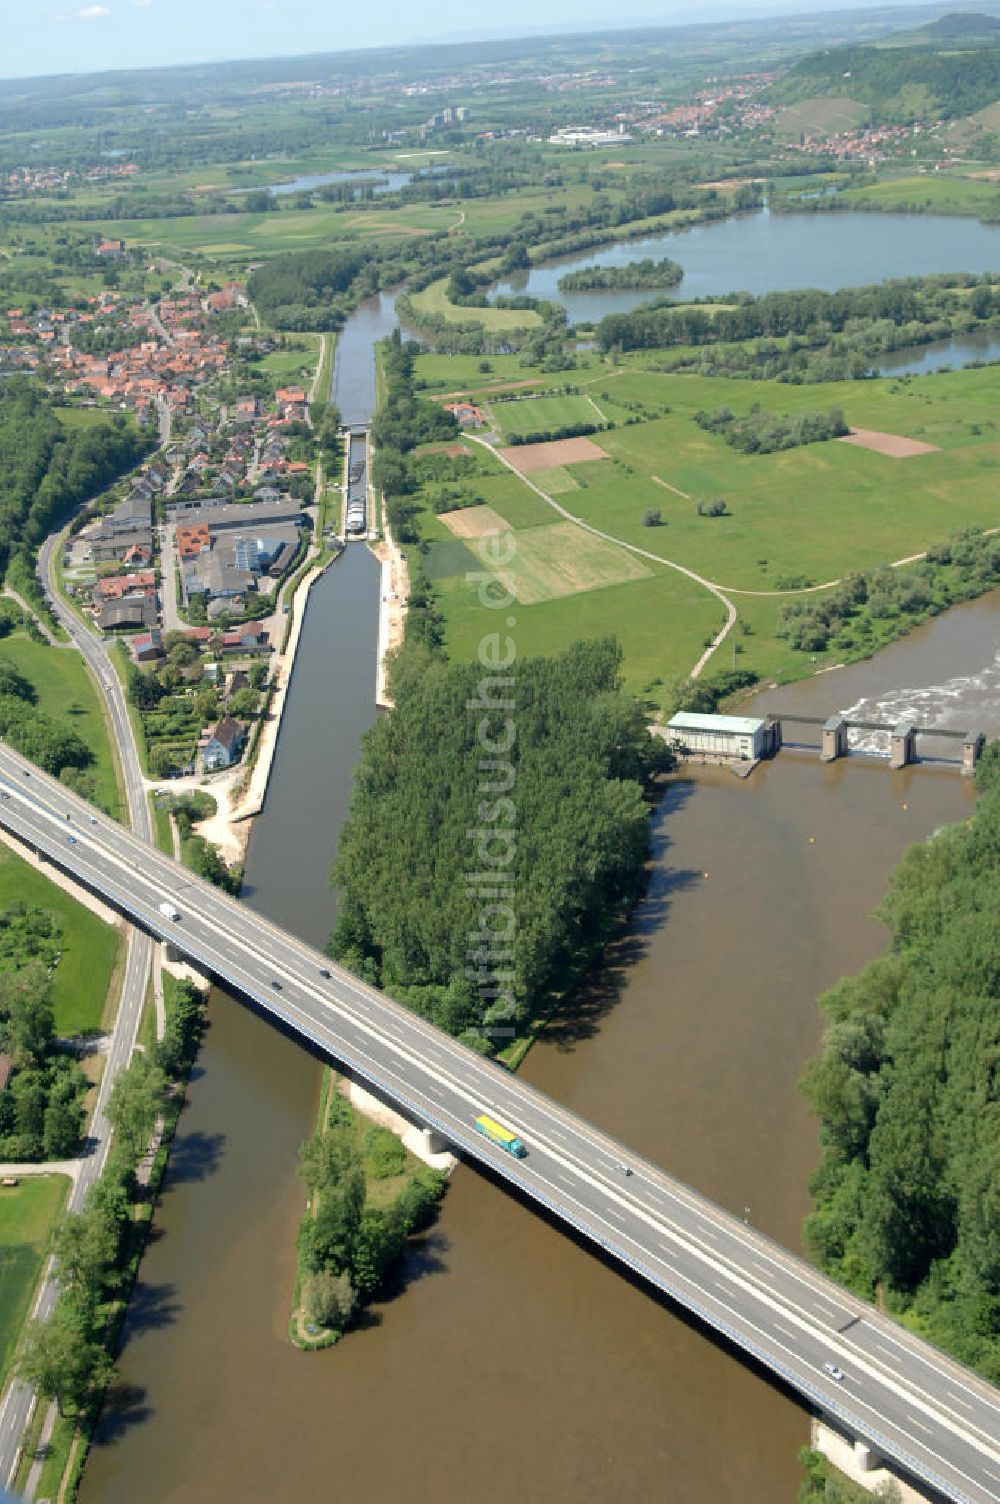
column 958, row 1399
column 919, row 1425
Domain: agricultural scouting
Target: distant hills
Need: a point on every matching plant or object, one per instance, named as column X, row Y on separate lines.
column 960, row 29
column 948, row 68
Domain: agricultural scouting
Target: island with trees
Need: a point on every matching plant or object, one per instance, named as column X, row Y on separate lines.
column 637, row 275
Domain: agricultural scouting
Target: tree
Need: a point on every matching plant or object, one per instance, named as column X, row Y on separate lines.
column 63, row 1122
column 329, row 1299
column 243, row 704
column 61, row 1362
column 26, row 1016
column 135, row 1102
column 652, row 517
column 377, row 1244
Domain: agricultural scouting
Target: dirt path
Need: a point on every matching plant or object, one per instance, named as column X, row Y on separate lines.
column 668, row 487
column 633, row 548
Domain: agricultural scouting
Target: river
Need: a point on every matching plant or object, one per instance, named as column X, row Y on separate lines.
column 516, row 1364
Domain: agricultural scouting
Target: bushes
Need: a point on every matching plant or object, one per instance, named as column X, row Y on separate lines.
column 764, row 433
column 967, row 564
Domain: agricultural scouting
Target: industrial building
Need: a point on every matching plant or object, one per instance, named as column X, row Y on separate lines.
column 743, row 737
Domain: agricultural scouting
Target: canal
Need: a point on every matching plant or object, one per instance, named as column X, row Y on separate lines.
column 516, row 1364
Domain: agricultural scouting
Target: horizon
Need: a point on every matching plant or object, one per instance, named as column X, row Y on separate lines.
column 147, row 35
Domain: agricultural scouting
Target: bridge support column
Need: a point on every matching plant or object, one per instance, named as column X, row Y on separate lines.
column 433, row 1142
column 834, row 742
column 902, row 745
column 171, row 952
column 866, row 1458
column 972, row 749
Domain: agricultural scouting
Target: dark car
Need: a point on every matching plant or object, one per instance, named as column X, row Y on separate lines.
column 324, row 972
column 275, row 985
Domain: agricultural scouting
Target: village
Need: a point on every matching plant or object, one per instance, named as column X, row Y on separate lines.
column 183, row 562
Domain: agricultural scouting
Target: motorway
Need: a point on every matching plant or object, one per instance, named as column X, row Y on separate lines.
column 935, row 1419
column 18, row 1402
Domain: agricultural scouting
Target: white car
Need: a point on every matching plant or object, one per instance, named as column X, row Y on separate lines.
column 835, row 1372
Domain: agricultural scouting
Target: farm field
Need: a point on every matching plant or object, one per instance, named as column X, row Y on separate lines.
column 236, row 237
column 545, row 414
column 89, row 946
column 802, row 516
column 940, row 194
column 28, row 1213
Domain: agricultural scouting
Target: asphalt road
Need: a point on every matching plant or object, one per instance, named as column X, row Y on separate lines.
column 937, row 1420
column 18, row 1401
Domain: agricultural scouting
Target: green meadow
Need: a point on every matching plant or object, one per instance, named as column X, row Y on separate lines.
column 28, row 1214
column 800, row 516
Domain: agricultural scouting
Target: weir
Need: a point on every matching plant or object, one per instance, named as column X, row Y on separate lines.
column 902, row 738
column 742, row 741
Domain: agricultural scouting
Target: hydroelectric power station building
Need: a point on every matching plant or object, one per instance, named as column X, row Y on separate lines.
column 741, row 737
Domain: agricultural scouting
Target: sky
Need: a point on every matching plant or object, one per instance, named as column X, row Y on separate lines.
column 85, row 36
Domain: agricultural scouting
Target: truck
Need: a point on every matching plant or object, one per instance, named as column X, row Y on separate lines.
column 168, row 911
column 501, row 1136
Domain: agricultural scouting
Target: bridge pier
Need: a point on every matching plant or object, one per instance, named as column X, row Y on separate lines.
column 172, row 953
column 866, row 1459
column 834, row 743
column 902, row 745
column 433, row 1142
column 972, row 749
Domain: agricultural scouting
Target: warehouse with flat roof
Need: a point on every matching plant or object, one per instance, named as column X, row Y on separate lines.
column 744, row 737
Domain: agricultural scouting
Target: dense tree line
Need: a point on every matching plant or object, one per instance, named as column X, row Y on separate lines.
column 761, row 432
column 808, row 314
column 563, row 431
column 906, row 1089
column 313, row 289
column 565, row 804
column 66, row 1357
column 403, row 421
column 852, row 617
column 46, row 470
column 41, row 1112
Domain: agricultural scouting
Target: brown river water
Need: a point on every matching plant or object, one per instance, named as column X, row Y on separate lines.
column 516, row 1365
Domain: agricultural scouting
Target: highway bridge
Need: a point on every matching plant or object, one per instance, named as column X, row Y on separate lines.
column 933, row 1419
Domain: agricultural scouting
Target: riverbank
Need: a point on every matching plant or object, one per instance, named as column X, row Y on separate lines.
column 394, row 595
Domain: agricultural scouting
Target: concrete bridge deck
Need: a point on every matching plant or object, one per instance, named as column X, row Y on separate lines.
column 898, row 1396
